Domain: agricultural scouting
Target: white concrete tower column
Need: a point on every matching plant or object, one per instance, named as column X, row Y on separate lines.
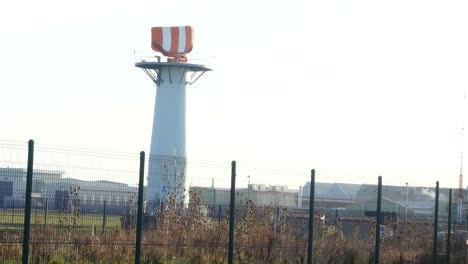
column 167, row 170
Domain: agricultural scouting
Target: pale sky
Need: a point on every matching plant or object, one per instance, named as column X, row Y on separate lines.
column 354, row 89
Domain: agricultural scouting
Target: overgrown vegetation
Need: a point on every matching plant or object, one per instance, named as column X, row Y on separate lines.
column 266, row 234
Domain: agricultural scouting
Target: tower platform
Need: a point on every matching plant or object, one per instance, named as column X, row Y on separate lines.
column 153, row 70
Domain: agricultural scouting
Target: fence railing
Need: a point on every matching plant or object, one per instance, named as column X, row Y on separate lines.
column 102, row 213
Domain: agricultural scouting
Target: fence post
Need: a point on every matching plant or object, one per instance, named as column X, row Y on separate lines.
column 436, row 224
column 275, row 226
column 104, row 217
column 46, row 213
column 140, row 209
column 377, row 225
column 219, row 214
column 27, row 213
column 449, row 227
column 231, row 212
column 13, row 212
column 311, row 217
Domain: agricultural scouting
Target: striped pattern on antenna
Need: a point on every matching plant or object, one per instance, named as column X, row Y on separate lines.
column 173, row 42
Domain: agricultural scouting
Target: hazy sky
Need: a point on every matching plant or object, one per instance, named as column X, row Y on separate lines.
column 355, row 89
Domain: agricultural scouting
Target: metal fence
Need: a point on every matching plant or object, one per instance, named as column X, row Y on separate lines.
column 69, row 205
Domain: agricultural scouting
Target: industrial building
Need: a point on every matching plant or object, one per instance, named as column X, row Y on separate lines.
column 50, row 189
column 259, row 194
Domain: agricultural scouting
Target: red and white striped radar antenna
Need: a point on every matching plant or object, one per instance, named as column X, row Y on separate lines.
column 173, row 42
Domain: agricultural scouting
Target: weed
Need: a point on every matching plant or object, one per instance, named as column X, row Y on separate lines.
column 187, row 234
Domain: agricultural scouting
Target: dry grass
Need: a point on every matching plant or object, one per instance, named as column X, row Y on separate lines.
column 262, row 235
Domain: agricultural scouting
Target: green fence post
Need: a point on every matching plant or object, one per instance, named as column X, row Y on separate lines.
column 27, row 213
column 140, row 209
column 275, row 227
column 46, row 213
column 311, row 217
column 104, row 217
column 231, row 212
column 13, row 213
column 219, row 214
column 436, row 224
column 449, row 227
column 377, row 225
